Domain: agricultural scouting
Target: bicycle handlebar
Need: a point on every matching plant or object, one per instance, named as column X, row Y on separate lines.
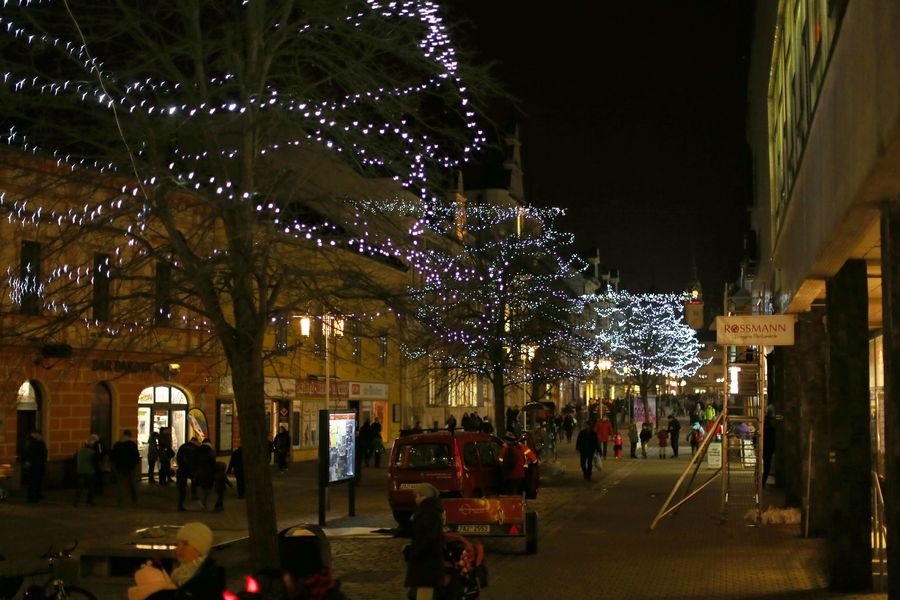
column 64, row 553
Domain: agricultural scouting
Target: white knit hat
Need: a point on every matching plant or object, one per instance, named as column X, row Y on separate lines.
column 197, row 535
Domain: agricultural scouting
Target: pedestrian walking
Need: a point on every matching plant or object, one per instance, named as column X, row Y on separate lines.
column 236, row 468
column 103, row 463
column 377, row 442
column 645, row 437
column 424, row 554
column 586, row 446
column 604, row 430
column 125, row 459
column 282, row 446
column 86, row 466
column 633, row 438
column 695, row 437
column 185, row 460
column 568, row 426
column 152, row 456
column 364, row 441
column 617, row 445
column 166, row 454
column 34, row 466
column 205, row 471
column 674, row 428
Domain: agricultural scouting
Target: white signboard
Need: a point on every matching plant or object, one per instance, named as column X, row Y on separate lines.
column 755, row 330
column 714, row 455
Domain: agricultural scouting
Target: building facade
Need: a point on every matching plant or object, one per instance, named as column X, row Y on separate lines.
column 824, row 127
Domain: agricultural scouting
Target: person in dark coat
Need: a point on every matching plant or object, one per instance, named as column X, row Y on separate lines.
column 186, row 458
column 282, row 446
column 205, row 470
column 424, row 555
column 364, row 443
column 34, row 465
column 166, row 454
column 586, row 445
column 125, row 459
column 236, row 468
column 153, row 456
column 645, row 436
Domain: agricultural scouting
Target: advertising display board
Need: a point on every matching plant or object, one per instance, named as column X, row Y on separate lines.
column 340, row 444
column 337, row 456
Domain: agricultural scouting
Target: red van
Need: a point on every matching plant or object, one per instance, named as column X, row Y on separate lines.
column 462, row 464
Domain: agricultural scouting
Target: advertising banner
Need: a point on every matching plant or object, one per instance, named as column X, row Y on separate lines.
column 755, row 330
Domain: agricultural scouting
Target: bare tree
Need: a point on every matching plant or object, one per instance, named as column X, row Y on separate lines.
column 235, row 153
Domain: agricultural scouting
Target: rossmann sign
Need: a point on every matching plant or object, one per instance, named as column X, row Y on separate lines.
column 763, row 330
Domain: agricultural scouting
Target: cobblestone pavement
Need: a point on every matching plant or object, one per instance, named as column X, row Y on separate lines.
column 594, row 539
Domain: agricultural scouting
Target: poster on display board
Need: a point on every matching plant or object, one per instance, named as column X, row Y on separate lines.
column 337, row 447
column 639, row 416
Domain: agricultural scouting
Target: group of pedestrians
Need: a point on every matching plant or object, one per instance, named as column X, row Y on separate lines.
column 592, row 443
column 370, row 444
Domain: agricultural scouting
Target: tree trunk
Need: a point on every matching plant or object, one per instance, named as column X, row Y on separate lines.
column 247, row 381
column 499, row 384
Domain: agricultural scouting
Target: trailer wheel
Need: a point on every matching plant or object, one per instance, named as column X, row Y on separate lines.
column 531, row 532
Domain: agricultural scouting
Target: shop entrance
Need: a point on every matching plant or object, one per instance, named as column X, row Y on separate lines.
column 161, row 406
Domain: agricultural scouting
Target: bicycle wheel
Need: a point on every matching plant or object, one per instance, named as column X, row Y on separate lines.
column 73, row 592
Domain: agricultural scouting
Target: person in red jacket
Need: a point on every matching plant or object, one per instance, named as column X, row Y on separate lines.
column 617, row 445
column 604, row 431
column 512, row 465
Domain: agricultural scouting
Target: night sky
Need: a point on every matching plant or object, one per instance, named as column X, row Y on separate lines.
column 635, row 123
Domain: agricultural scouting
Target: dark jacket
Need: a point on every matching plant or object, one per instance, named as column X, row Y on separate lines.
column 425, row 556
column 204, row 470
column 586, row 442
column 153, row 447
column 124, row 456
column 187, row 459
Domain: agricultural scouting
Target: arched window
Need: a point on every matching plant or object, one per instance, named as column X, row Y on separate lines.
column 159, row 406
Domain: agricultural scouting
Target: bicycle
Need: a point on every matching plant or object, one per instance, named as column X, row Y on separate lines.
column 55, row 588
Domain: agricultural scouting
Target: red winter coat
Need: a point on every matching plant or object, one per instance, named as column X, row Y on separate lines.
column 604, row 430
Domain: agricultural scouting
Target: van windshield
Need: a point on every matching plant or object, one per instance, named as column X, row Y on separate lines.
column 423, row 456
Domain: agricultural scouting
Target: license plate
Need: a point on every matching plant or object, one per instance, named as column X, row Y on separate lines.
column 408, row 486
column 473, row 528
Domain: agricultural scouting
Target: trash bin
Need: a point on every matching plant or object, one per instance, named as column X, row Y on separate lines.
column 304, row 550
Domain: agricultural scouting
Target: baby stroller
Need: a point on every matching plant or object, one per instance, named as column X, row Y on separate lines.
column 464, row 570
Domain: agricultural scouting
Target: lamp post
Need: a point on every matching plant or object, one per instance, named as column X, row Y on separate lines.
column 331, row 326
column 527, row 356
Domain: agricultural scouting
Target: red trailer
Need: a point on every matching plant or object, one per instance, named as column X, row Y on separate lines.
column 497, row 516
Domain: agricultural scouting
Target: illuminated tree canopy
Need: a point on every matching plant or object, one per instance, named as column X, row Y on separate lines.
column 500, row 303
column 646, row 338
column 221, row 139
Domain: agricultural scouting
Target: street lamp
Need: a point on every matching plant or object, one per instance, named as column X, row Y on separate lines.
column 527, row 356
column 331, row 326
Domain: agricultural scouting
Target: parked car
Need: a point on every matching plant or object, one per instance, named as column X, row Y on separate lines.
column 462, row 464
